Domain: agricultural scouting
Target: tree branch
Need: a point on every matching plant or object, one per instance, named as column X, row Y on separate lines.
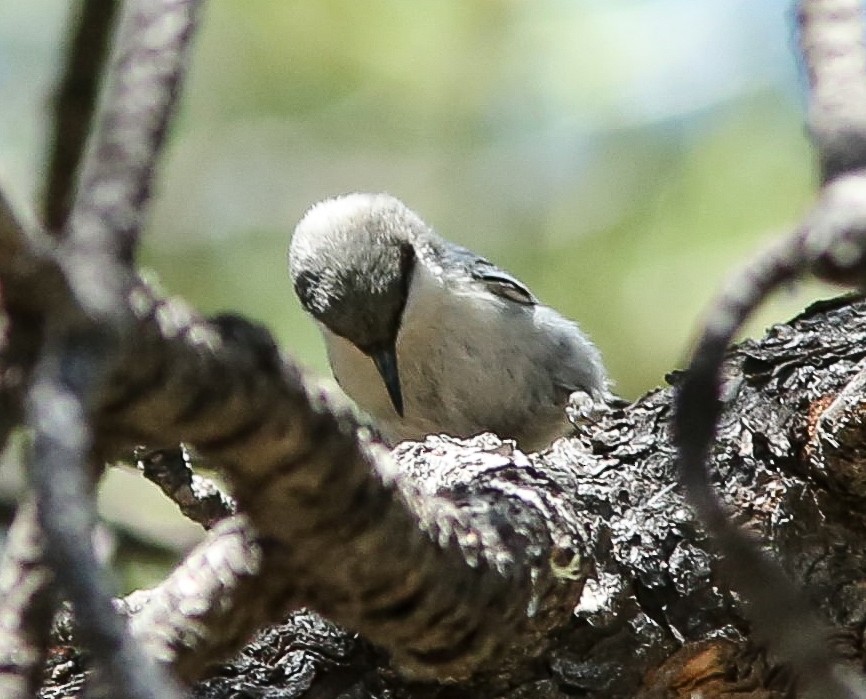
column 80, row 348
column 26, row 606
column 57, row 411
column 467, row 580
column 223, row 387
column 329, row 511
column 654, row 617
column 831, row 39
column 74, row 105
column 116, row 175
column 198, row 498
column 832, row 243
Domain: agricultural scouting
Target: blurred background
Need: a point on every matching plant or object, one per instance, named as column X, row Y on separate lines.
column 621, row 157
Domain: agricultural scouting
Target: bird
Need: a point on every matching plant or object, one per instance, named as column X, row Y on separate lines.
column 427, row 337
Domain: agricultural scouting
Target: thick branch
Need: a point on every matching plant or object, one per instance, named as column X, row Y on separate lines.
column 654, row 618
column 332, row 514
column 368, row 550
column 445, row 580
column 832, row 243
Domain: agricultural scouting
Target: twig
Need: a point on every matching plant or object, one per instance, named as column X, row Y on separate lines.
column 199, row 498
column 57, row 411
column 116, row 175
column 74, row 104
column 175, row 620
column 831, row 39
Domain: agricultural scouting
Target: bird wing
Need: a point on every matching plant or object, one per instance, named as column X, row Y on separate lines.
column 497, row 281
column 502, row 284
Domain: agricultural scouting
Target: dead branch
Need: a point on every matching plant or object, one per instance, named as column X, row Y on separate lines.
column 80, row 348
column 199, row 498
column 74, row 105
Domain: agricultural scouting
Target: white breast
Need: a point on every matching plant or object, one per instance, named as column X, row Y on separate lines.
column 472, row 362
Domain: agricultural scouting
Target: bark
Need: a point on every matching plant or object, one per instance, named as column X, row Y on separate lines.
column 82, row 338
column 87, row 49
column 27, row 607
column 654, row 618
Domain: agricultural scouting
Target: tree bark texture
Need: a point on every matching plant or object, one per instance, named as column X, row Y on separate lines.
column 654, row 618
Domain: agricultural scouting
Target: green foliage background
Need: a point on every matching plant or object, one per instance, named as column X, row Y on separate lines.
column 502, row 124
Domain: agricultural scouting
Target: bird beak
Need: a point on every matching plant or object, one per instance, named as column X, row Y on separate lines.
column 386, row 362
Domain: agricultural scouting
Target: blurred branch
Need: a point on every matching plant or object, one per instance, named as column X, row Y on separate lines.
column 26, row 606
column 218, row 585
column 224, row 387
column 81, row 347
column 117, row 172
column 832, row 243
column 832, row 42
column 57, row 411
column 173, row 620
column 328, row 509
column 26, row 599
column 452, row 582
column 74, row 104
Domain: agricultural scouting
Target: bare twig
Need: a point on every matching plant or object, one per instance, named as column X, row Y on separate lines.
column 831, row 38
column 58, row 405
column 174, row 621
column 198, row 498
column 833, row 240
column 117, row 174
column 74, row 104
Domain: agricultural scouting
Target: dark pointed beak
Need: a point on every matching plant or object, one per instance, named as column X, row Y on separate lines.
column 386, row 362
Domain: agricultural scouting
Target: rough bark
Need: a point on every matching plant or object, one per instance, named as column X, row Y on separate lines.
column 87, row 49
column 655, row 618
column 82, row 338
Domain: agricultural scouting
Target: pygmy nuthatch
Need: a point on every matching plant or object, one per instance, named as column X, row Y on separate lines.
column 428, row 337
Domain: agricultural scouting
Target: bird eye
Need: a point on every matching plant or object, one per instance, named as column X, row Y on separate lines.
column 407, row 263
